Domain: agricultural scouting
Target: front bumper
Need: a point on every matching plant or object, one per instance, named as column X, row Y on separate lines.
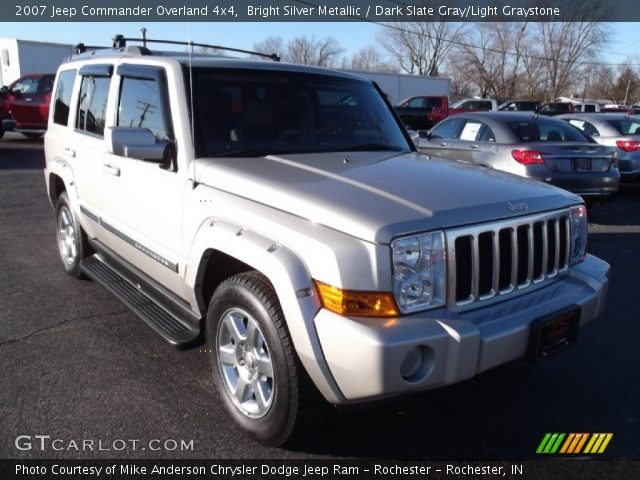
column 365, row 355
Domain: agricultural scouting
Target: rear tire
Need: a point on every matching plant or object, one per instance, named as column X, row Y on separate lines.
column 73, row 244
column 258, row 376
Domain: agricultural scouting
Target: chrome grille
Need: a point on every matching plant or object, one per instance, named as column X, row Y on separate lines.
column 489, row 260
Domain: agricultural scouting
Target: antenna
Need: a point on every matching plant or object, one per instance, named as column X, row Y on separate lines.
column 193, row 113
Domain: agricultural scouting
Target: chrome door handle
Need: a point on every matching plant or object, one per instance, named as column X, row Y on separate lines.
column 444, row 144
column 111, row 170
column 475, row 146
column 70, row 151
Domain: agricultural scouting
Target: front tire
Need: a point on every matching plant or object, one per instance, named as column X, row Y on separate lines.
column 257, row 374
column 73, row 245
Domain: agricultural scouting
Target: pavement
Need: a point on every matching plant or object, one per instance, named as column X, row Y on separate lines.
column 77, row 365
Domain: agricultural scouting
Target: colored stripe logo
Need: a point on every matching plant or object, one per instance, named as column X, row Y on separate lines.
column 573, row 443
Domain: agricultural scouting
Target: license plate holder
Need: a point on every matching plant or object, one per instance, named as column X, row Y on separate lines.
column 553, row 333
column 583, row 164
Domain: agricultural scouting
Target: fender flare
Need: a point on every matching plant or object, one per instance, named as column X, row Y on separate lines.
column 290, row 278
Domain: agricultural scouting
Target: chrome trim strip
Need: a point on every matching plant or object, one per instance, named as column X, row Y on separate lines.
column 147, row 251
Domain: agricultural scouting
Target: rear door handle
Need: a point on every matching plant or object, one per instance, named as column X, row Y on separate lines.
column 475, row 146
column 444, row 144
column 111, row 170
column 70, row 151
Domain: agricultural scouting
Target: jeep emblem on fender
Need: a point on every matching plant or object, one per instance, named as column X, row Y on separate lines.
column 517, row 207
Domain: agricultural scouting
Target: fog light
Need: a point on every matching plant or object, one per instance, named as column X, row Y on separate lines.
column 412, row 363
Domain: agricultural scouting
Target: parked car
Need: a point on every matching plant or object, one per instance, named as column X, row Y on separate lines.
column 422, row 112
column 281, row 214
column 556, row 108
column 586, row 107
column 26, row 104
column 616, row 130
column 529, row 145
column 520, row 106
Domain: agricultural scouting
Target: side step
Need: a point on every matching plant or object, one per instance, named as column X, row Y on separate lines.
column 178, row 330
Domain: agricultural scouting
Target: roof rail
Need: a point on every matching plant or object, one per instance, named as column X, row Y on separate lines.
column 119, row 41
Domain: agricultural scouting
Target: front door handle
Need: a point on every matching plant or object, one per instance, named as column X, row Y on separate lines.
column 70, row 151
column 475, row 146
column 111, row 170
column 444, row 144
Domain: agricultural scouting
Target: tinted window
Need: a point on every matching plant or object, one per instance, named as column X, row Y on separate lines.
column 434, row 102
column 62, row 99
column 93, row 104
column 626, row 127
column 26, row 86
column 448, row 129
column 585, row 127
column 416, row 103
column 141, row 106
column 249, row 113
column 544, row 130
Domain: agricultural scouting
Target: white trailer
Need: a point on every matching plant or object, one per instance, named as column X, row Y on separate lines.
column 20, row 57
column 400, row 86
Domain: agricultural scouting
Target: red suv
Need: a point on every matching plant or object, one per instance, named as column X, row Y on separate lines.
column 24, row 105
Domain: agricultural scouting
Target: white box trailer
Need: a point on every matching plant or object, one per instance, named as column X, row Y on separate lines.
column 20, row 57
column 400, row 86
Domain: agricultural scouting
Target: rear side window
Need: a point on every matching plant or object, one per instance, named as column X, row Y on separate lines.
column 62, row 99
column 448, row 129
column 541, row 130
column 141, row 105
column 92, row 107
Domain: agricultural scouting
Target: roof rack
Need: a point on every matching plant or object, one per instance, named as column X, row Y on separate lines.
column 119, row 41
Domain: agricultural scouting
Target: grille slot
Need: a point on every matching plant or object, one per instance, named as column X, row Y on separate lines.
column 495, row 259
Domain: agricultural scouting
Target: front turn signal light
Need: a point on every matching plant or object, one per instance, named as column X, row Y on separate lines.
column 356, row 303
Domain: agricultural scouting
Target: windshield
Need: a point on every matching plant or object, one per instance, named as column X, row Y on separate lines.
column 546, row 130
column 243, row 112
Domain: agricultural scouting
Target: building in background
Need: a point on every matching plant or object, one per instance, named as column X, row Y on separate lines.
column 20, row 57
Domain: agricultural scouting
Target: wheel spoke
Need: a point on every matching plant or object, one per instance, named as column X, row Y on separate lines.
column 265, row 367
column 253, row 334
column 235, row 325
column 227, row 355
column 242, row 390
column 262, row 393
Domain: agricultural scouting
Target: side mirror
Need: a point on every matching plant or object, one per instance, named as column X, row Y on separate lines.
column 424, row 134
column 4, row 89
column 138, row 143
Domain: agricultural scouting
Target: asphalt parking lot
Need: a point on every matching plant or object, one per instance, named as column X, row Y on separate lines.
column 77, row 365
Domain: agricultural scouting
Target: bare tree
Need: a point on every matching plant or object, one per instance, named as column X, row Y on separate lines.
column 564, row 47
column 270, row 45
column 419, row 47
column 309, row 51
column 369, row 59
column 492, row 57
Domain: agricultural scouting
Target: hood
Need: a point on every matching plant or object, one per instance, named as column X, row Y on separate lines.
column 376, row 196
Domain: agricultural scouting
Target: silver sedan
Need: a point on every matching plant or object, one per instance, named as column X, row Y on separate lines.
column 618, row 130
column 526, row 144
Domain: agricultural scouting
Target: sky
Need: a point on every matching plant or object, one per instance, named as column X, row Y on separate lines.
column 624, row 45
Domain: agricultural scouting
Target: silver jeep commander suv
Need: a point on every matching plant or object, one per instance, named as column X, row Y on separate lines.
column 283, row 215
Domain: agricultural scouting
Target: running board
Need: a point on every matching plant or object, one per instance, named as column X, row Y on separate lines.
column 179, row 330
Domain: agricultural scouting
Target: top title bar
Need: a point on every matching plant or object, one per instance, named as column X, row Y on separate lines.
column 319, row 11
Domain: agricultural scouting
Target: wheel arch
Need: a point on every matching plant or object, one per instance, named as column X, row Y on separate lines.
column 216, row 253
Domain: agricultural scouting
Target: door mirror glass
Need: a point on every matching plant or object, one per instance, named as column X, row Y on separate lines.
column 138, row 143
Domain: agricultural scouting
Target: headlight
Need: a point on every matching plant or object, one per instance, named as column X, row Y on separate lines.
column 419, row 271
column 578, row 234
